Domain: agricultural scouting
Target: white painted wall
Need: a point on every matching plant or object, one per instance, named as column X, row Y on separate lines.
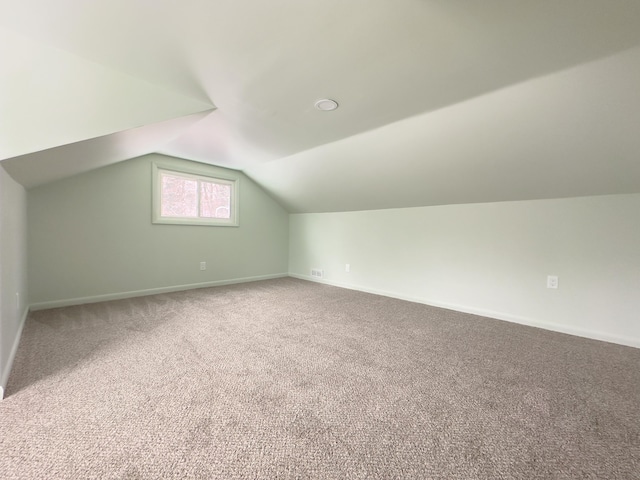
column 13, row 270
column 91, row 238
column 491, row 259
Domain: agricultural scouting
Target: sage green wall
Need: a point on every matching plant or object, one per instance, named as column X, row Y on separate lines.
column 491, row 259
column 13, row 270
column 91, row 235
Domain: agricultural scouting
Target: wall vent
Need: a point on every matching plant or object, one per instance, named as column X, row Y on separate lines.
column 316, row 273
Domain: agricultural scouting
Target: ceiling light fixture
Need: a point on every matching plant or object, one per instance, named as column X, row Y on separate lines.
column 326, row 104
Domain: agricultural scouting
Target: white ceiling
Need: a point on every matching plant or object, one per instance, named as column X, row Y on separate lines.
column 445, row 101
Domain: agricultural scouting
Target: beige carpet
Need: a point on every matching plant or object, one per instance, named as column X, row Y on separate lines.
column 291, row 379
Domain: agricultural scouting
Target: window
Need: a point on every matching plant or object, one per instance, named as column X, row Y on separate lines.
column 188, row 197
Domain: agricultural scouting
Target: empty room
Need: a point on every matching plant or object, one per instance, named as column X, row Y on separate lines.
column 320, row 239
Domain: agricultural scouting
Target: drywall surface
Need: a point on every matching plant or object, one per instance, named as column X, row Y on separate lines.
column 568, row 134
column 91, row 238
column 492, row 259
column 50, row 97
column 13, row 270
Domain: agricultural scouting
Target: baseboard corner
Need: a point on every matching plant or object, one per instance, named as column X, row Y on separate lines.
column 6, row 371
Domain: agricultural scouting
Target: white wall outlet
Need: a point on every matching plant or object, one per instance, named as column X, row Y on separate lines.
column 552, row 281
column 317, row 273
column 203, row 265
column 347, row 267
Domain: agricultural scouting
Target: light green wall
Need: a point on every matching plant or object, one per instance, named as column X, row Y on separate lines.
column 91, row 235
column 13, row 269
column 491, row 259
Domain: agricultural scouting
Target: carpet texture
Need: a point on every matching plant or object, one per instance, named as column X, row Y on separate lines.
column 291, row 379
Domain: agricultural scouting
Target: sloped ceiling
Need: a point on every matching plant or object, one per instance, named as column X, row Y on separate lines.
column 50, row 98
column 445, row 101
column 55, row 163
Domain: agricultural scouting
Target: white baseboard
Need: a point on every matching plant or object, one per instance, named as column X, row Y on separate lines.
column 12, row 355
column 151, row 291
column 532, row 322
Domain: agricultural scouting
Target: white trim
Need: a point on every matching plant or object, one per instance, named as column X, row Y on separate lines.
column 151, row 291
column 200, row 174
column 14, row 349
column 532, row 322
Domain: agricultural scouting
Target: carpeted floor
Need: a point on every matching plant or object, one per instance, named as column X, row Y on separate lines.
column 292, row 379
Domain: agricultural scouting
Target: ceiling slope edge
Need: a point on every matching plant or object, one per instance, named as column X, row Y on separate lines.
column 53, row 164
column 568, row 134
column 49, row 98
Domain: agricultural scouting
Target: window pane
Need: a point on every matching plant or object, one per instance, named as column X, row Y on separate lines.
column 215, row 200
column 179, row 197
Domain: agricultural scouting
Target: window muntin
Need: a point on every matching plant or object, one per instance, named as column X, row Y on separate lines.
column 182, row 197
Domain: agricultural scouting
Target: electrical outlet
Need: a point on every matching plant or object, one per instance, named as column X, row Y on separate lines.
column 552, row 281
column 316, row 272
column 347, row 267
column 203, row 265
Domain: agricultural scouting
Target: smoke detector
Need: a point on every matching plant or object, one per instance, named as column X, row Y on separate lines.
column 326, row 104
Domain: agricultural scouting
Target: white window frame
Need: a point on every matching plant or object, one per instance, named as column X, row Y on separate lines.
column 196, row 174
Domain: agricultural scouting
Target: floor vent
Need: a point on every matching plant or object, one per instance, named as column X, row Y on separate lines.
column 316, row 272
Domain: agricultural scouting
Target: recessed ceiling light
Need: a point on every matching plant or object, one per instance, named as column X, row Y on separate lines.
column 326, row 104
